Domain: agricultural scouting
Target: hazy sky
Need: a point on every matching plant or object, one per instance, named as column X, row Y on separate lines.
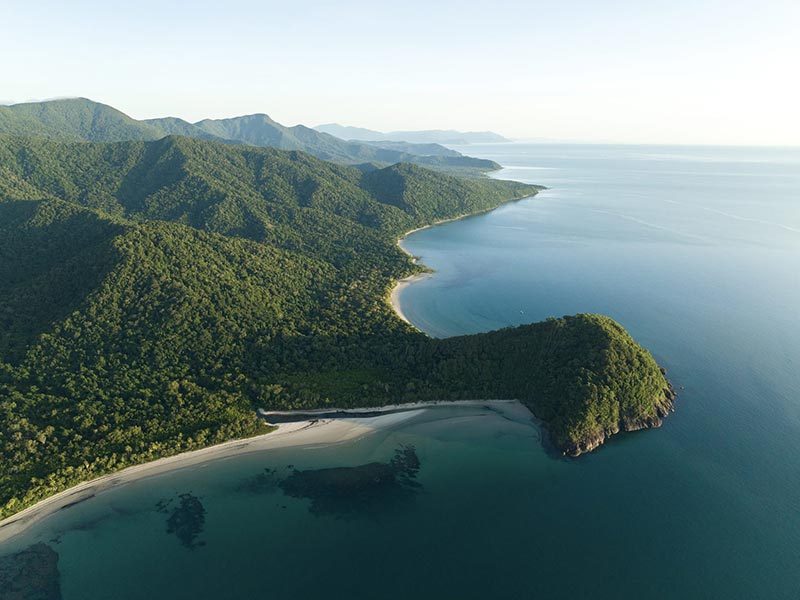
column 691, row 71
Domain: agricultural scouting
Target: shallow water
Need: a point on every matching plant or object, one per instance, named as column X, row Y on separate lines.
column 696, row 252
column 255, row 540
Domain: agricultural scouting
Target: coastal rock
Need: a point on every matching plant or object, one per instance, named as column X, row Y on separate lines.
column 30, row 575
column 663, row 407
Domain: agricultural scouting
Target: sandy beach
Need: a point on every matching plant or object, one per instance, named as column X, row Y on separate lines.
column 290, row 434
column 394, row 297
column 321, row 431
column 302, row 433
column 399, row 287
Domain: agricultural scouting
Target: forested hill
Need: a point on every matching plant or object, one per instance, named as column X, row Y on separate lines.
column 74, row 119
column 155, row 293
column 80, row 119
column 260, row 130
column 289, row 199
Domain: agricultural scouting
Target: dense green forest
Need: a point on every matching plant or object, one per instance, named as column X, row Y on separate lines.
column 154, row 293
column 74, row 119
column 80, row 119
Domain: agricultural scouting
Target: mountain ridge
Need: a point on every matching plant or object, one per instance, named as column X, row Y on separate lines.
column 81, row 119
column 74, row 119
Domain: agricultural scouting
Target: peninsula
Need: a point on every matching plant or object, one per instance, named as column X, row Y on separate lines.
column 156, row 293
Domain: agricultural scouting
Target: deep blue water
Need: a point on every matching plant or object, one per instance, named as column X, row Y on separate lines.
column 696, row 251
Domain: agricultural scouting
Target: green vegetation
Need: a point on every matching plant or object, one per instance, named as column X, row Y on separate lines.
column 73, row 119
column 584, row 376
column 79, row 119
column 154, row 293
column 260, row 130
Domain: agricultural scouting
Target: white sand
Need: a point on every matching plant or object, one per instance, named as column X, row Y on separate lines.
column 394, row 297
column 302, row 433
column 289, row 434
column 326, row 431
column 398, row 288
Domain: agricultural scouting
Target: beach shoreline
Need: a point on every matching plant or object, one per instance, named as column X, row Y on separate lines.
column 401, row 284
column 322, row 431
column 312, row 432
column 398, row 288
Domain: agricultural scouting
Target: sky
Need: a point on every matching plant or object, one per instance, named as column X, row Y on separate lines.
column 634, row 71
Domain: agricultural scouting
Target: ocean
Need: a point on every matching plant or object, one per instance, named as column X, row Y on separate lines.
column 694, row 250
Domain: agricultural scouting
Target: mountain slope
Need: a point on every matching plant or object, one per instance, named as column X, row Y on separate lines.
column 142, row 365
column 79, row 119
column 74, row 119
column 421, row 149
column 348, row 132
column 153, row 294
column 176, row 126
column 260, row 130
column 234, row 190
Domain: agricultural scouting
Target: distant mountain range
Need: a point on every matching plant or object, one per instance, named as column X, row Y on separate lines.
column 433, row 136
column 80, row 119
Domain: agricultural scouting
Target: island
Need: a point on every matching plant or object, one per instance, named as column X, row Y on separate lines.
column 157, row 292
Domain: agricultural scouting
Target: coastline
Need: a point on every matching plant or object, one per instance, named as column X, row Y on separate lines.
column 313, row 432
column 287, row 435
column 401, row 284
column 394, row 297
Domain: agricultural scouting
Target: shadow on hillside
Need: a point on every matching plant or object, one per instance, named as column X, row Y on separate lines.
column 52, row 256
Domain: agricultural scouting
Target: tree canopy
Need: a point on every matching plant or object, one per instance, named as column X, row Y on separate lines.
column 154, row 294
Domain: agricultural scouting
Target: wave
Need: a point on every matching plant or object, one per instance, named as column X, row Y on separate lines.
column 737, row 217
column 700, row 238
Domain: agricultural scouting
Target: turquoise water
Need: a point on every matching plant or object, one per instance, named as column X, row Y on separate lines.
column 696, row 252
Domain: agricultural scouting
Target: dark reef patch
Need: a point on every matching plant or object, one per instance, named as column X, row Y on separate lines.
column 186, row 520
column 265, row 482
column 349, row 492
column 30, row 575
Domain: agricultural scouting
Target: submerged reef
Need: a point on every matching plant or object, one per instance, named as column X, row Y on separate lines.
column 265, row 482
column 349, row 492
column 186, row 521
column 31, row 574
